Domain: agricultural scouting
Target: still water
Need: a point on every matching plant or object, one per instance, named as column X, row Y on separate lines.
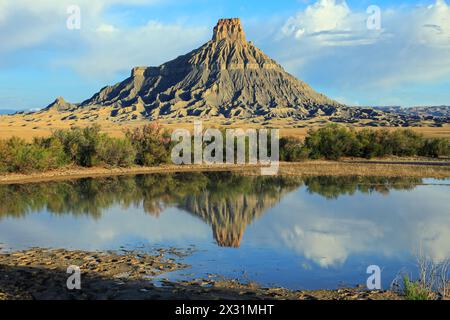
column 299, row 233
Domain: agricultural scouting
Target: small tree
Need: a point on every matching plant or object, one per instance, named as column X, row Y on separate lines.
column 435, row 148
column 331, row 142
column 81, row 144
column 152, row 144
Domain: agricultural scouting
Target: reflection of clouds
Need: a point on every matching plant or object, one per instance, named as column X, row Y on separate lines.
column 116, row 227
column 329, row 232
column 106, row 235
column 325, row 242
column 435, row 240
column 320, row 247
column 426, row 213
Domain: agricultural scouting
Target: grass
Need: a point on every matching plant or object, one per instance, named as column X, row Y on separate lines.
column 432, row 282
column 415, row 290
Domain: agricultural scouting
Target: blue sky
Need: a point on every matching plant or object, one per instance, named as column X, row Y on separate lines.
column 323, row 42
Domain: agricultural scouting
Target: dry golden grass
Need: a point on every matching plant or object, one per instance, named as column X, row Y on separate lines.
column 39, row 125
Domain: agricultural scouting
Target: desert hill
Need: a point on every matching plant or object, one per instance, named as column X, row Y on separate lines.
column 227, row 77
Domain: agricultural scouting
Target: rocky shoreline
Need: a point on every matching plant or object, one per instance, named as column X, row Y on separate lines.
column 41, row 274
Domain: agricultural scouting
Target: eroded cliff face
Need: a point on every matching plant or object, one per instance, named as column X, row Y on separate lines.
column 226, row 77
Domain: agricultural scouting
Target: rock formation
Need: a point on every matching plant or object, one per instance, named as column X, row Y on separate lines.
column 60, row 105
column 226, row 79
column 229, row 29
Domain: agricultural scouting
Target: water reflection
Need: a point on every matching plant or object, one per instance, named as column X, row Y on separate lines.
column 333, row 187
column 226, row 201
column 297, row 232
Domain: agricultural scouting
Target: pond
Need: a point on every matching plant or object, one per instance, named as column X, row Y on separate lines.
column 294, row 232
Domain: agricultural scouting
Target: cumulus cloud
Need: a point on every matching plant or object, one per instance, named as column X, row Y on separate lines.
column 329, row 42
column 329, row 23
column 333, row 22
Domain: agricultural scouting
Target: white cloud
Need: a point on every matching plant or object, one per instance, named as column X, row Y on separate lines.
column 435, row 21
column 112, row 49
column 324, row 16
column 330, row 23
column 101, row 47
column 328, row 40
column 106, row 28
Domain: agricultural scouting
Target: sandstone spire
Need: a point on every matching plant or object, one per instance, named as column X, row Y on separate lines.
column 229, row 29
column 226, row 78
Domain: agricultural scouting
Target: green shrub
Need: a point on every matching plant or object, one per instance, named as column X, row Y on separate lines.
column 414, row 290
column 81, row 144
column 116, row 152
column 56, row 154
column 405, row 142
column 292, row 150
column 4, row 156
column 152, row 144
column 435, row 148
column 19, row 156
column 368, row 144
column 331, row 142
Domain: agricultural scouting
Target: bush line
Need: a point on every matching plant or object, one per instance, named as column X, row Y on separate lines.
column 151, row 145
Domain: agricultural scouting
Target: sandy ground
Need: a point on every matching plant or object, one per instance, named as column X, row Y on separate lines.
column 29, row 126
column 386, row 168
column 42, row 274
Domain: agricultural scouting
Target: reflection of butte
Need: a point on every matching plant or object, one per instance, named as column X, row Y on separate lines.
column 229, row 215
